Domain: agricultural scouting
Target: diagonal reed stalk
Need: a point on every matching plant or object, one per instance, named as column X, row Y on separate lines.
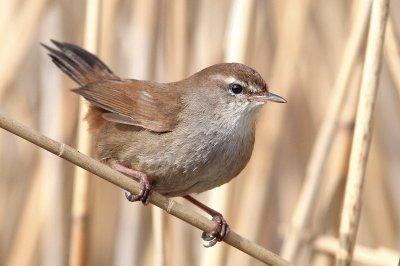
column 128, row 184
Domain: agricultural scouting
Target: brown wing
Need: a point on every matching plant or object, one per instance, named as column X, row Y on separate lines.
column 139, row 103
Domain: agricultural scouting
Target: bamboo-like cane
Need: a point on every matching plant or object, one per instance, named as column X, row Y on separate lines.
column 126, row 183
column 362, row 134
column 77, row 254
column 324, row 138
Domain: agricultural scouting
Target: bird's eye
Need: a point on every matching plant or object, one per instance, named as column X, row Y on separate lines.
column 236, row 88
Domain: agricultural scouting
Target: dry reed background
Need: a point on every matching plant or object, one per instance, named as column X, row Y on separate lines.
column 311, row 52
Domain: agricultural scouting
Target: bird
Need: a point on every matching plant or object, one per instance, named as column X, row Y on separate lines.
column 178, row 138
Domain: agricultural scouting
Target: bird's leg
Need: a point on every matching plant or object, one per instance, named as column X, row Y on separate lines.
column 221, row 228
column 144, row 182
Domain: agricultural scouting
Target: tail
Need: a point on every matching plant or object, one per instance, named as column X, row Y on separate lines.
column 80, row 65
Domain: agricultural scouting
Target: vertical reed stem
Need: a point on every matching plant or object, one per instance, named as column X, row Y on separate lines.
column 362, row 134
column 325, row 136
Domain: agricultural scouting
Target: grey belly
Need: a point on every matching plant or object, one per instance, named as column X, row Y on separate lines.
column 194, row 172
column 179, row 167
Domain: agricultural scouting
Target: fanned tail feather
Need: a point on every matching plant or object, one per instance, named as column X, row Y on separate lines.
column 80, row 65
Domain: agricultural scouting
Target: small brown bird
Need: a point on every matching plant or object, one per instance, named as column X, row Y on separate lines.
column 175, row 138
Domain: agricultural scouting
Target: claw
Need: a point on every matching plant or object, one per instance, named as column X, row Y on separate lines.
column 144, row 194
column 207, row 236
column 210, row 243
column 144, row 182
column 219, row 232
column 221, row 228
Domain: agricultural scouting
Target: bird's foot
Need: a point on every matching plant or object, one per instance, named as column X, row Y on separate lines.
column 144, row 194
column 219, row 232
column 144, row 182
column 221, row 228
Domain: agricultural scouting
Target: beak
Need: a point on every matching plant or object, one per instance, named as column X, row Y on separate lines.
column 268, row 97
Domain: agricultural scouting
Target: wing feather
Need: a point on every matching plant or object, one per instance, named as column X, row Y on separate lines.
column 140, row 103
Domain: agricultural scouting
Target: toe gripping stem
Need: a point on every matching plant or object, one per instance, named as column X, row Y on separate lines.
column 221, row 227
column 144, row 183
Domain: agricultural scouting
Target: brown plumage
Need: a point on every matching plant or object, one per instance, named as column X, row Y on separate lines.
column 134, row 102
column 177, row 138
column 189, row 136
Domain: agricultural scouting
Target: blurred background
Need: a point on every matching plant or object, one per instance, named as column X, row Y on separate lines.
column 309, row 52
